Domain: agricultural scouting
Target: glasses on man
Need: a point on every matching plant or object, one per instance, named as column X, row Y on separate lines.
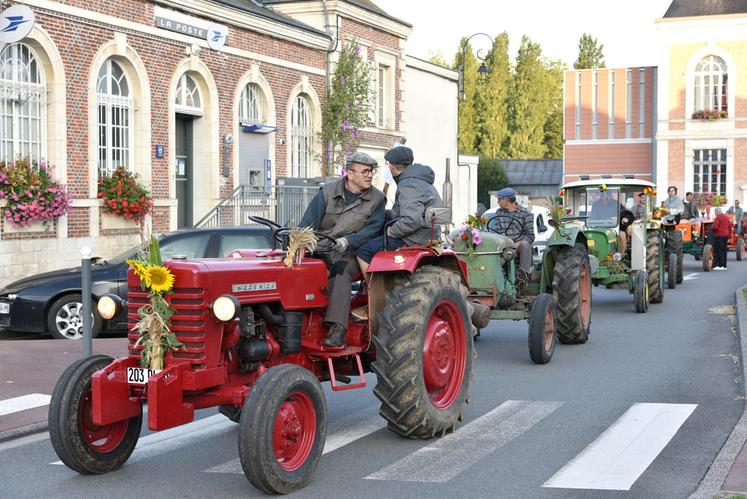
column 366, row 172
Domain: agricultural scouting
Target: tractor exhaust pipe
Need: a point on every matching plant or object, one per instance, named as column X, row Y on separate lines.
column 479, row 314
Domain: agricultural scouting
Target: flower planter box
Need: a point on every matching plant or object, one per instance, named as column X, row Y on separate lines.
column 32, row 228
column 111, row 222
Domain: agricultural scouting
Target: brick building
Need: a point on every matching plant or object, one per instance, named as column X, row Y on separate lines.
column 682, row 123
column 98, row 84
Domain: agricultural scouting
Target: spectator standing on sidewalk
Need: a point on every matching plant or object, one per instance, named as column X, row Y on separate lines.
column 721, row 231
column 738, row 213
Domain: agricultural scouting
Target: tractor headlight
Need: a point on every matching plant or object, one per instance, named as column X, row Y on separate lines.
column 109, row 306
column 617, row 257
column 226, row 308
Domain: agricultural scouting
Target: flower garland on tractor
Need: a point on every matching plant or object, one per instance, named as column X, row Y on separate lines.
column 154, row 326
column 470, row 233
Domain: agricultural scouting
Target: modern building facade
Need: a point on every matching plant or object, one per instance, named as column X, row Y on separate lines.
column 682, row 123
column 145, row 85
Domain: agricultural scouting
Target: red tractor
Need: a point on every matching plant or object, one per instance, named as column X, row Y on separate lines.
column 252, row 330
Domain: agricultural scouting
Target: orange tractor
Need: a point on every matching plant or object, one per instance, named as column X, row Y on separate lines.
column 697, row 240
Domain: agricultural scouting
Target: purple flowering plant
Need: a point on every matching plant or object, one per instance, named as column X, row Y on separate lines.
column 32, row 194
column 346, row 110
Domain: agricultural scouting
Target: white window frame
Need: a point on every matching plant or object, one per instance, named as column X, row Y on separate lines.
column 641, row 102
column 709, row 159
column 710, row 85
column 301, row 136
column 628, row 103
column 578, row 105
column 611, row 107
column 384, row 67
column 114, row 120
column 23, row 104
column 251, row 108
column 595, row 105
column 187, row 90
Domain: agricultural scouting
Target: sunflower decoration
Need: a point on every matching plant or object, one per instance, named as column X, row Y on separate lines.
column 154, row 326
column 159, row 279
column 603, row 187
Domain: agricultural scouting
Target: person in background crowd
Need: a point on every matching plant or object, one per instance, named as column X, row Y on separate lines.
column 351, row 212
column 691, row 207
column 639, row 209
column 721, row 232
column 521, row 231
column 673, row 202
column 738, row 213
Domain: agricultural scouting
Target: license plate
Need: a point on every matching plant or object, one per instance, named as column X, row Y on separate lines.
column 139, row 375
column 4, row 308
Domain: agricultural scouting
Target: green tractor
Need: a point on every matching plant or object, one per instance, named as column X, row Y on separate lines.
column 555, row 297
column 635, row 258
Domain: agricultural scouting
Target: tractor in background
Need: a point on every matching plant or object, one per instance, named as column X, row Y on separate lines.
column 639, row 265
column 555, row 297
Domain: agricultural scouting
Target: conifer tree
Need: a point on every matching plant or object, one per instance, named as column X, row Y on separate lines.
column 492, row 101
column 468, row 119
column 554, row 123
column 590, row 53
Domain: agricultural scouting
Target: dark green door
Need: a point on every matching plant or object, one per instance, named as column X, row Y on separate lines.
column 184, row 188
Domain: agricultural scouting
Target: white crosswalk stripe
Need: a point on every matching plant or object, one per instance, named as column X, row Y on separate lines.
column 341, row 432
column 447, row 457
column 22, row 403
column 616, row 459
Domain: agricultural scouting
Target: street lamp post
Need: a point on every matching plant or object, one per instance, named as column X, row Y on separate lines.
column 483, row 69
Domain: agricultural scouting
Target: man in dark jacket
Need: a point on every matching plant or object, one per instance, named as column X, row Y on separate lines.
column 351, row 212
column 415, row 194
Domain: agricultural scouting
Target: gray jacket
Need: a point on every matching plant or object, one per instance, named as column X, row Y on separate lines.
column 415, row 194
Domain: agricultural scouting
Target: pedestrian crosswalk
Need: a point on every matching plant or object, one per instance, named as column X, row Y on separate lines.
column 23, row 403
column 614, row 459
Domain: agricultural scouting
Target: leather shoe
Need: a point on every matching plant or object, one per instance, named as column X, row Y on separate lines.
column 335, row 337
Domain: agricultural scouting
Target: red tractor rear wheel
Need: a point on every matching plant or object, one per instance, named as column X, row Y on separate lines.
column 282, row 429
column 79, row 443
column 424, row 353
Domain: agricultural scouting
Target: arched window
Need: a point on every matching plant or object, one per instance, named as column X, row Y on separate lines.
column 22, row 104
column 114, row 118
column 250, row 105
column 188, row 96
column 711, row 79
column 300, row 138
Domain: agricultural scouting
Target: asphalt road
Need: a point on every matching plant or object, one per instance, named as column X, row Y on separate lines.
column 669, row 376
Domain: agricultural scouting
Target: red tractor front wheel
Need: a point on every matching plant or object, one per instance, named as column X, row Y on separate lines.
column 282, row 429
column 424, row 353
column 82, row 445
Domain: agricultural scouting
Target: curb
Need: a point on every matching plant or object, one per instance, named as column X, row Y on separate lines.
column 23, row 431
column 711, row 484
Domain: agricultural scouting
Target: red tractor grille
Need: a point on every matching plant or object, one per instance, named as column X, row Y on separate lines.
column 188, row 323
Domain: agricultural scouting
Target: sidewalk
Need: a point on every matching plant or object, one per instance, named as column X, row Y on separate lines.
column 728, row 473
column 29, row 369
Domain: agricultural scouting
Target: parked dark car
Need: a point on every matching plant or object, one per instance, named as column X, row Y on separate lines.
column 51, row 302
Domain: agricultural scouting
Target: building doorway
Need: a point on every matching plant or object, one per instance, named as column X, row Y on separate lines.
column 184, row 171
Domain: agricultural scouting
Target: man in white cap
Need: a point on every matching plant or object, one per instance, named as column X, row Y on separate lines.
column 351, row 211
column 516, row 222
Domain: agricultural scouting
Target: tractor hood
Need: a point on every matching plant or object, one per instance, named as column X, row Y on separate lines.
column 252, row 280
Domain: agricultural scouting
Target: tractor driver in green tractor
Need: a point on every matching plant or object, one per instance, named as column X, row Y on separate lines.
column 516, row 222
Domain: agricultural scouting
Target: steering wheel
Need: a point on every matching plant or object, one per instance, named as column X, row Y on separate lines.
column 281, row 234
column 495, row 227
column 265, row 221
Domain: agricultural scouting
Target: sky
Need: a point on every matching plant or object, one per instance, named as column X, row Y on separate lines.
column 625, row 27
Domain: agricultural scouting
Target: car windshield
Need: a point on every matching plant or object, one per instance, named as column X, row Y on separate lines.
column 601, row 207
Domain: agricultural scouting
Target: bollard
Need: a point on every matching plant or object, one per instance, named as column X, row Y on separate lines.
column 85, row 292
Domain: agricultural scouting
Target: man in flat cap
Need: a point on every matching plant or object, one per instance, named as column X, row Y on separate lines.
column 415, row 194
column 351, row 212
column 516, row 222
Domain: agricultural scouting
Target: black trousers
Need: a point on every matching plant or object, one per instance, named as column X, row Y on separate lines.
column 719, row 251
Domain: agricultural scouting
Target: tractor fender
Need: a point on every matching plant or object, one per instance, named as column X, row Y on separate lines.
column 638, row 246
column 410, row 259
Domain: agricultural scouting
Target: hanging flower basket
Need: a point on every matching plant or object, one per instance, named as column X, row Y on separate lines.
column 31, row 194
column 709, row 115
column 124, row 196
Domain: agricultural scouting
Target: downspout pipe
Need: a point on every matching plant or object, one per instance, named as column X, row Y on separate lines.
column 328, row 56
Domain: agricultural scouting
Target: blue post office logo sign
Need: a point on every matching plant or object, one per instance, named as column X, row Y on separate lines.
column 16, row 23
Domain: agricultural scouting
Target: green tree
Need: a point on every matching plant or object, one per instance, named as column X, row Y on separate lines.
column 554, row 124
column 491, row 176
column 468, row 119
column 492, row 101
column 590, row 53
column 529, row 103
column 346, row 109
column 438, row 59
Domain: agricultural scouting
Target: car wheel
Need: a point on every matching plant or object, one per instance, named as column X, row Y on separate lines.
column 65, row 321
